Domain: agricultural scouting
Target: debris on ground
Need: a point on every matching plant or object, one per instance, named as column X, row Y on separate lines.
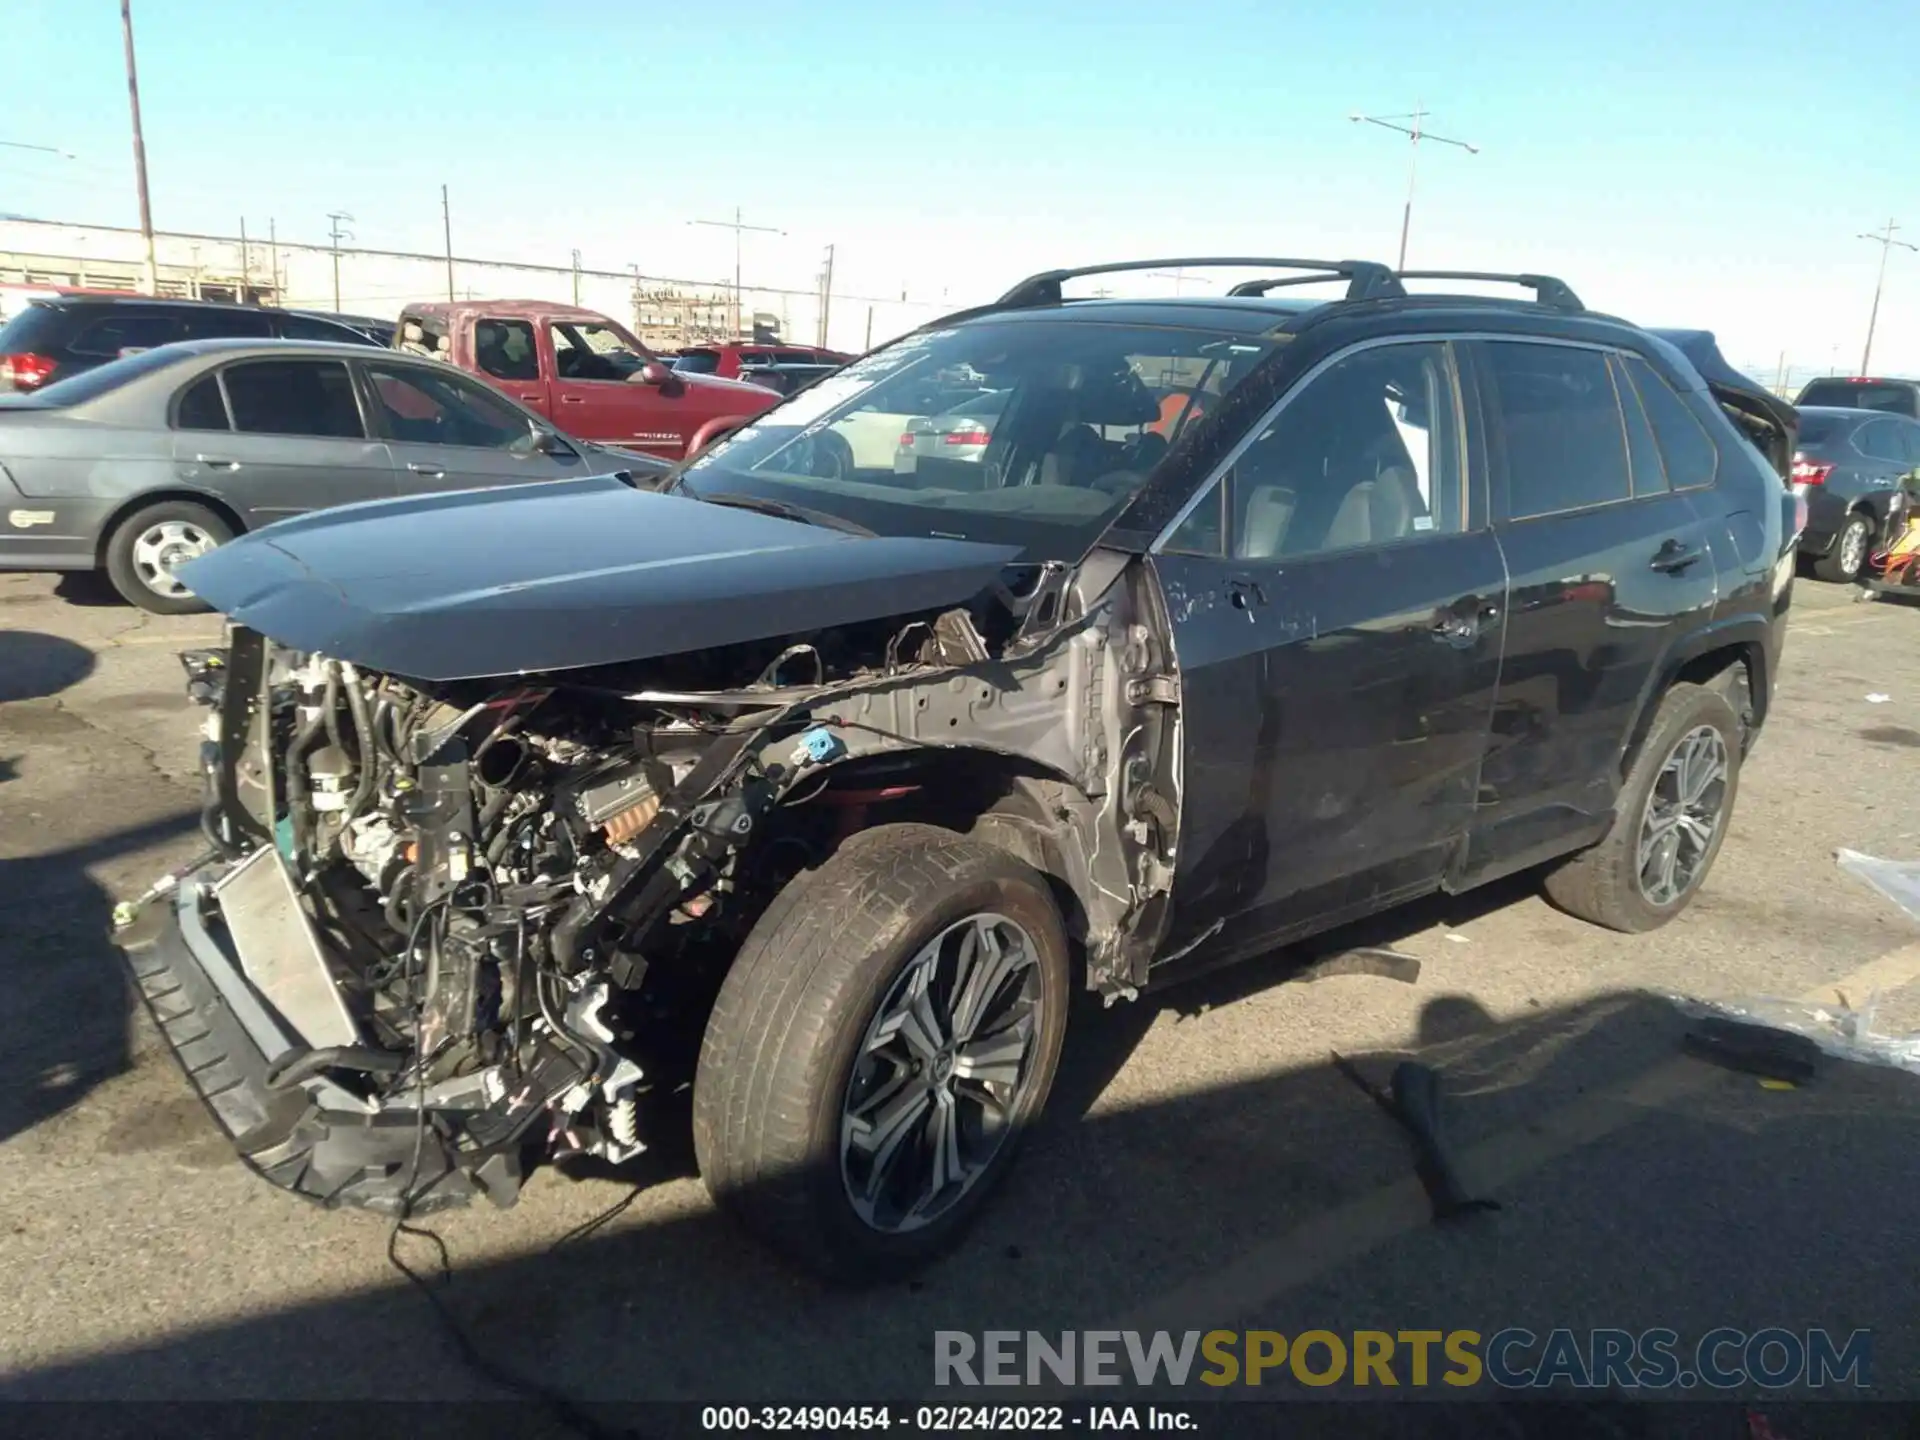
column 1898, row 880
column 1378, row 960
column 1413, row 1100
column 1841, row 1030
column 1877, row 698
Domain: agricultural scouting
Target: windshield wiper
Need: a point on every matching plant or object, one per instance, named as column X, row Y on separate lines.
column 782, row 509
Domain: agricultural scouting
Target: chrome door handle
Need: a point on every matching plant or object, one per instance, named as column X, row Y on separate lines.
column 217, row 462
column 1674, row 556
column 433, row 470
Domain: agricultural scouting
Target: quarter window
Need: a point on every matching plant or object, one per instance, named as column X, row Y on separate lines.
column 1561, row 425
column 202, row 406
column 1643, row 451
column 294, row 397
column 1366, row 454
column 1692, row 457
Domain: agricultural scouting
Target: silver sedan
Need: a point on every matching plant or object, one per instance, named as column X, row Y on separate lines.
column 140, row 465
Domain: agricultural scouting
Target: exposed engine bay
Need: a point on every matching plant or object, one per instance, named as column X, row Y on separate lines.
column 489, row 916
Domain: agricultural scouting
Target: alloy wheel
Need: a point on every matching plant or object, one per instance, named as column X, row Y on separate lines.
column 944, row 1068
column 1683, row 815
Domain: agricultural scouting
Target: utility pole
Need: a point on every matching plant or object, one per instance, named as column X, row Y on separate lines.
column 273, row 257
column 1884, row 239
column 739, row 228
column 246, row 264
column 576, row 277
column 446, row 228
column 826, row 298
column 151, row 275
column 869, row 344
column 336, row 234
column 1415, row 133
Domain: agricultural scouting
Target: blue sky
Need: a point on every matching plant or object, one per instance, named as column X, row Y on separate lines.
column 1680, row 163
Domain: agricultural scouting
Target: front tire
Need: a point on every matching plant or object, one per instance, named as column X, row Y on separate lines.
column 146, row 546
column 1670, row 820
column 1847, row 556
column 884, row 1038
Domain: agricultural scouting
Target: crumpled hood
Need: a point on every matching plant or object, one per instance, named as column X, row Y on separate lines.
column 564, row 574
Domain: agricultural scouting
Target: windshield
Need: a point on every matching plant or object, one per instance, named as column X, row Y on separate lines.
column 1820, row 429
column 1081, row 413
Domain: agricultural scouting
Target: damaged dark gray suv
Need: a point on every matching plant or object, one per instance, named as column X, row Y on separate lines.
column 821, row 786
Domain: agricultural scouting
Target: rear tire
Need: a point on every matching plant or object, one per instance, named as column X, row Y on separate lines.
column 146, row 545
column 799, row 1069
column 1847, row 556
column 1608, row 884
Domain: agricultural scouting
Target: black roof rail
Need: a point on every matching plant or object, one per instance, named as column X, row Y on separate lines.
column 1553, row 293
column 1363, row 283
column 1366, row 279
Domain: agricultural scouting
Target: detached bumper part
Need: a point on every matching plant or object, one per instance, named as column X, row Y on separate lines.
column 317, row 1140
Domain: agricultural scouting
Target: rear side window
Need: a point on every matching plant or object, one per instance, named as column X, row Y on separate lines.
column 1564, row 434
column 1881, row 440
column 1692, row 457
column 119, row 333
column 696, row 362
column 225, row 325
column 202, row 407
column 294, row 397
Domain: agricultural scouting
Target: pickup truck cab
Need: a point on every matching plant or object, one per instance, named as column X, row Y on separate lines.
column 586, row 373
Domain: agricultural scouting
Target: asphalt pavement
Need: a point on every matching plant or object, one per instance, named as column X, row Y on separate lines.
column 1205, row 1165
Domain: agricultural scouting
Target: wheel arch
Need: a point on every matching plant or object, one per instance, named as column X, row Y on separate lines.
column 1732, row 656
column 136, row 503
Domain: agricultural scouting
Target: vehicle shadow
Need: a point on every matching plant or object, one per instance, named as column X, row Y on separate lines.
column 89, row 588
column 34, row 666
column 64, row 1029
column 1640, row 1188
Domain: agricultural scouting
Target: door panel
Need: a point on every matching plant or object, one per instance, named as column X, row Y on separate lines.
column 594, row 398
column 298, row 442
column 1335, row 713
column 1604, row 586
column 507, row 355
column 1337, row 621
column 448, row 433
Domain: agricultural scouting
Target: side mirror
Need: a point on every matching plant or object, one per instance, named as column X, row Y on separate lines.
column 653, row 373
column 545, row 442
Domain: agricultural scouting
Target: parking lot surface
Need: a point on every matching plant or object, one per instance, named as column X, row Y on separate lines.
column 1205, row 1165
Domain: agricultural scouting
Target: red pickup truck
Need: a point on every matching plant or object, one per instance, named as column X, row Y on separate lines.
column 584, row 372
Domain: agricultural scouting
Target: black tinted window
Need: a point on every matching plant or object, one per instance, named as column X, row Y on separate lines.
column 1643, row 451
column 1565, row 439
column 202, row 407
column 1819, row 429
column 428, row 408
column 125, row 332
column 1881, row 440
column 293, row 397
column 306, row 327
column 1691, row 456
column 1862, row 395
column 697, row 362
column 225, row 325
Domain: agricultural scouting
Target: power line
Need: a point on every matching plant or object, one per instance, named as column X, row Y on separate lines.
column 1416, row 133
column 738, row 227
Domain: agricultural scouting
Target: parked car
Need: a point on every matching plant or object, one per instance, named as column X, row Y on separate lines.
column 1862, row 392
column 380, row 332
column 1854, row 468
column 143, row 463
column 584, row 372
column 56, row 339
column 729, row 361
column 524, row 796
column 961, row 433
column 785, row 379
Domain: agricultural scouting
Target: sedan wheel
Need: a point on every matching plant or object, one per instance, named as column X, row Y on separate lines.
column 147, row 549
column 1845, row 561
